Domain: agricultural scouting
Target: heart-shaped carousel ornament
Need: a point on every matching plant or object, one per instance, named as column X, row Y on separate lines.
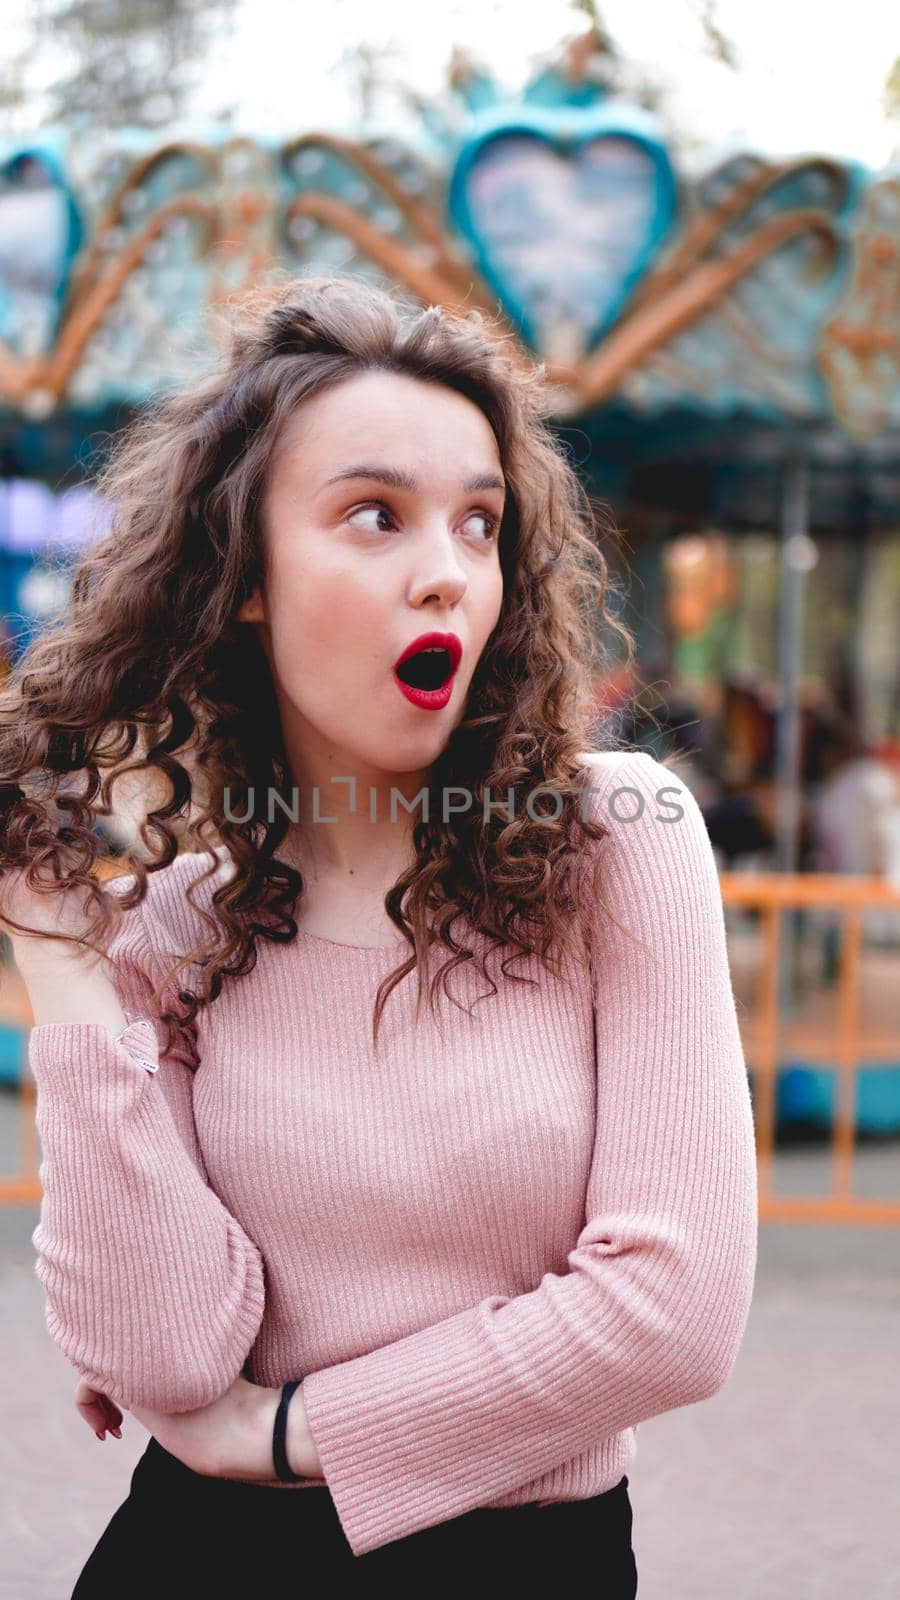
column 564, row 209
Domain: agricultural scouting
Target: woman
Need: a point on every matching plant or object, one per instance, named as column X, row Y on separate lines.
column 425, row 1265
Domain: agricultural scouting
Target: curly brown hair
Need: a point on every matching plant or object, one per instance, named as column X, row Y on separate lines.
column 147, row 663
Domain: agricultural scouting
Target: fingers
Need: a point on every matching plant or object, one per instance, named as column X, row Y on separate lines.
column 114, row 1417
column 95, row 1417
column 101, row 1414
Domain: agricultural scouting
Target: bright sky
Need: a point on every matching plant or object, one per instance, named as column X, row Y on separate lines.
column 810, row 78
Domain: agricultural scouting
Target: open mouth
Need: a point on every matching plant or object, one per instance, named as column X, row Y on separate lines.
column 427, row 669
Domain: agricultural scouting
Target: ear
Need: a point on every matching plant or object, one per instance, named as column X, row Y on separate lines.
column 252, row 609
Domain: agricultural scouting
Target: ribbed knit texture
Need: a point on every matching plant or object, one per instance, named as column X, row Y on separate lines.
column 491, row 1249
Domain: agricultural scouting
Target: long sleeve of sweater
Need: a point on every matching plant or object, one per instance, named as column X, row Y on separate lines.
column 153, row 1292
column 650, row 1313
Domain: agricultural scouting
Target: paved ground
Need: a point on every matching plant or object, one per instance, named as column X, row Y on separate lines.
column 782, row 1487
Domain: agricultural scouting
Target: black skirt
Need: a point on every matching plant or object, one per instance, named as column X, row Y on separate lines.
column 180, row 1533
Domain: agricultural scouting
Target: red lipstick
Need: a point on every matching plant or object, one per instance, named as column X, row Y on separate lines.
column 428, row 683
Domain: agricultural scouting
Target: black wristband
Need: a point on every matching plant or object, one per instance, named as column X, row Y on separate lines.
column 279, row 1453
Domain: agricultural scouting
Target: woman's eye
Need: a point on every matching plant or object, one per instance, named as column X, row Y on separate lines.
column 371, row 511
column 490, row 522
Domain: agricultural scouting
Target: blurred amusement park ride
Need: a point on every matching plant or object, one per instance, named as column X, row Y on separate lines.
column 722, row 339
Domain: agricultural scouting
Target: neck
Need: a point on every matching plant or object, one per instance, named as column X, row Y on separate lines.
column 347, row 835
column 365, row 853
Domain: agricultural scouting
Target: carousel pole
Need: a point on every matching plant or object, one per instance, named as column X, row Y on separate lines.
column 794, row 564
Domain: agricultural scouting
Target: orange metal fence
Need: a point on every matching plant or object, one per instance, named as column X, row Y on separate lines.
column 847, row 1045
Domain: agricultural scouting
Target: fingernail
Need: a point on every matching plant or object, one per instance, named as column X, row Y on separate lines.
column 100, row 1435
column 116, row 1432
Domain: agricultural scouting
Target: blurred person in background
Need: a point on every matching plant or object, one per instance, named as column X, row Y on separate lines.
column 853, row 813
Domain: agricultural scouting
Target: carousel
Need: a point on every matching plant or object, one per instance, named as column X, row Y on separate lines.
column 722, row 337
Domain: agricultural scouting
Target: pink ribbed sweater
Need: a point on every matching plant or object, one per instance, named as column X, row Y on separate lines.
column 491, row 1250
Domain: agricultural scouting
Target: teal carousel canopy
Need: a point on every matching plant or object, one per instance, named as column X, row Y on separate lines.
column 699, row 328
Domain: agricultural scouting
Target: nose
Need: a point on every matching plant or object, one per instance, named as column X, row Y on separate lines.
column 439, row 574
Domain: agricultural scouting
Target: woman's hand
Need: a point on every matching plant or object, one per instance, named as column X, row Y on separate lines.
column 98, row 1410
column 231, row 1438
column 62, row 912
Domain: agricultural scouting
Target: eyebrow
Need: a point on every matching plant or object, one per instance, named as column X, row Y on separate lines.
column 381, row 473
